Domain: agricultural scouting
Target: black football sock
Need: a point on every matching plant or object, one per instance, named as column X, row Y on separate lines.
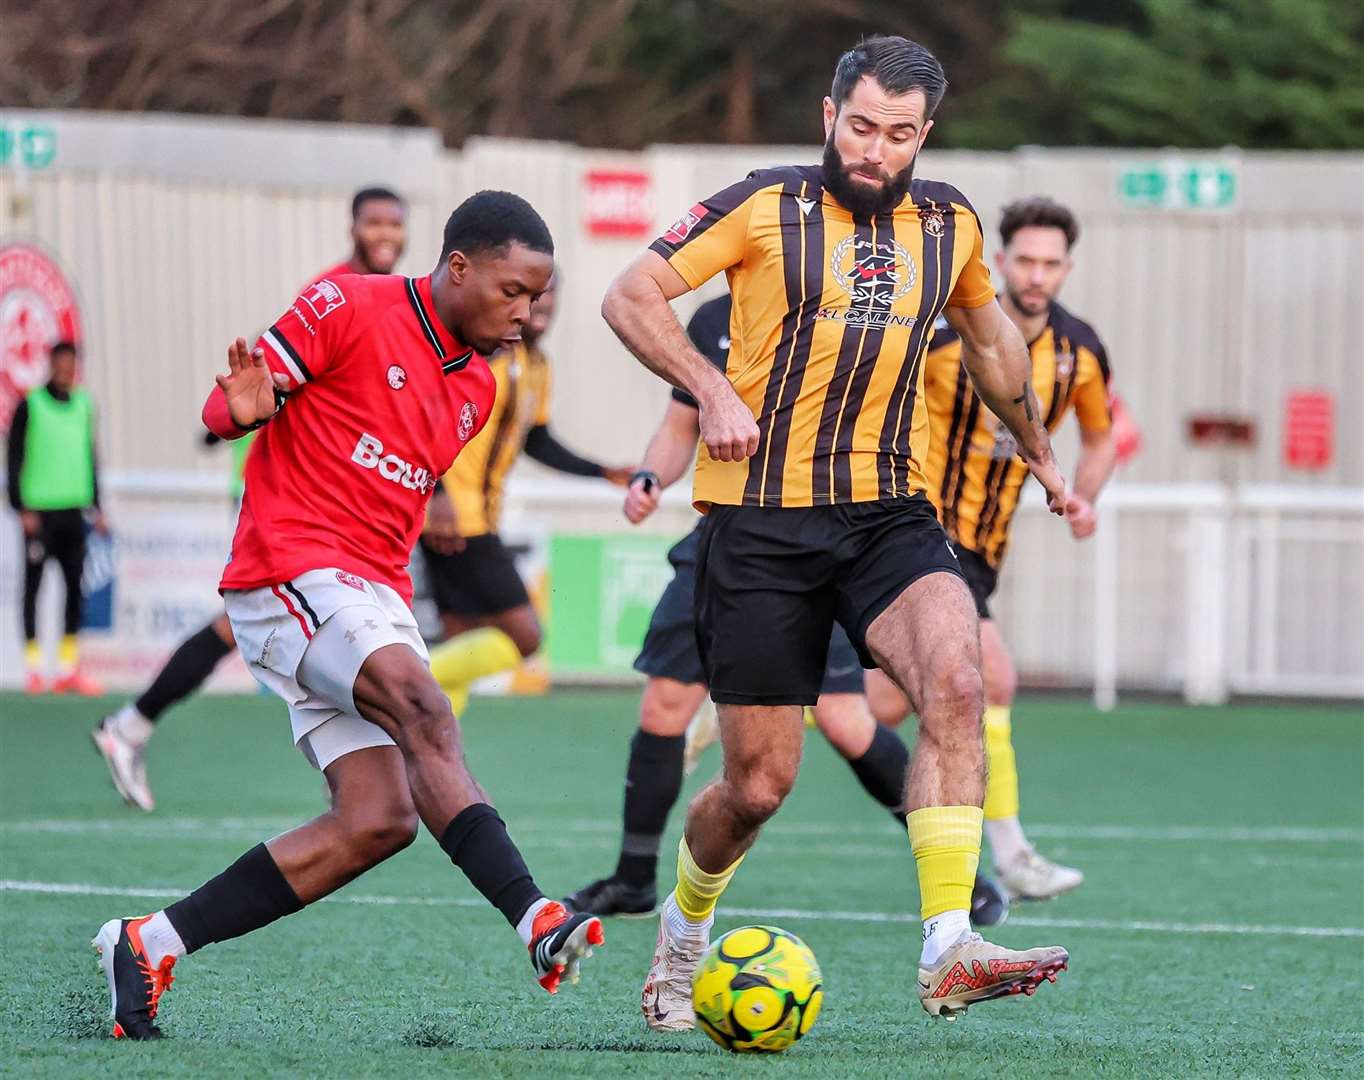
column 653, row 781
column 881, row 770
column 477, row 842
column 186, row 670
column 249, row 894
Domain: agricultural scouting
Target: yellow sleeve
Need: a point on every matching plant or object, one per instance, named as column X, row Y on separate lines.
column 546, row 388
column 973, row 287
column 1091, row 390
column 713, row 235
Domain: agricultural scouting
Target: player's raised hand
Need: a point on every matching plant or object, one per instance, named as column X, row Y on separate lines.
column 249, row 385
column 1081, row 518
column 642, row 498
column 727, row 427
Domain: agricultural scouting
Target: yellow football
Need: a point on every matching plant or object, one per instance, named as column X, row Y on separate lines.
column 758, row 990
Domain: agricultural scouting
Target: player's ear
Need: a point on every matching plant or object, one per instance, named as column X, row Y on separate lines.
column 923, row 136
column 458, row 266
column 830, row 115
column 999, row 260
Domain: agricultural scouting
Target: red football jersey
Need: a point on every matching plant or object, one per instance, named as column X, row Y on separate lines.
column 382, row 398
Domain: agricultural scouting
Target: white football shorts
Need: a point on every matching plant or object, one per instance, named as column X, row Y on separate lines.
column 305, row 640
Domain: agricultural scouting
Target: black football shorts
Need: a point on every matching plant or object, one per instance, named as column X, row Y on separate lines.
column 771, row 582
column 981, row 576
column 480, row 580
column 670, row 651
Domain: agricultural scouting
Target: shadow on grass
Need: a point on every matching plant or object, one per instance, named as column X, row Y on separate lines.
column 470, row 1029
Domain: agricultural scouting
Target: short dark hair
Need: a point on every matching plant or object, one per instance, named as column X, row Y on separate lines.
column 493, row 221
column 1038, row 210
column 63, row 346
column 897, row 64
column 373, row 194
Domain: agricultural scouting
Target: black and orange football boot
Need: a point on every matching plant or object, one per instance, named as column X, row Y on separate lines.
column 135, row 987
column 559, row 942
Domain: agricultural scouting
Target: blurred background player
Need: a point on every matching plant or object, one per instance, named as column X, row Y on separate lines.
column 484, row 607
column 677, row 684
column 378, row 236
column 54, row 488
column 975, row 477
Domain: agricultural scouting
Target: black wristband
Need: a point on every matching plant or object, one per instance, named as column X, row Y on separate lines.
column 649, row 477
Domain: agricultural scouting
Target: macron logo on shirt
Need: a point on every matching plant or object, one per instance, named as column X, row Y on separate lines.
column 369, row 454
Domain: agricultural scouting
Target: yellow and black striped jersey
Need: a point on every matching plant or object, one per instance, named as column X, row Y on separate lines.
column 830, row 322
column 974, row 472
column 476, row 480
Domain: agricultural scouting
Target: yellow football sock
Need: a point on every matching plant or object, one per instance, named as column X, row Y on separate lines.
column 33, row 655
column 1001, row 788
column 697, row 891
column 68, row 653
column 946, row 845
column 468, row 657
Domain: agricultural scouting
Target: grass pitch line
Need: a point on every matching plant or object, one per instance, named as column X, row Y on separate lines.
column 230, row 828
column 52, row 888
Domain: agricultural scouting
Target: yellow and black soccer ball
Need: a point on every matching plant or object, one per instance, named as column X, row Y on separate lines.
column 758, row 990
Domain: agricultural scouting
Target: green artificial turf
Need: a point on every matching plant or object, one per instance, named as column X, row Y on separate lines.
column 1220, row 930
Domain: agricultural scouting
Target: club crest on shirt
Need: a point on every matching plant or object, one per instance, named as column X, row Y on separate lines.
column 874, row 274
column 1065, row 364
column 468, row 417
column 397, row 377
column 932, row 222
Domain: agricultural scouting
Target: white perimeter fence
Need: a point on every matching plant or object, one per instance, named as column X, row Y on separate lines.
column 1198, row 589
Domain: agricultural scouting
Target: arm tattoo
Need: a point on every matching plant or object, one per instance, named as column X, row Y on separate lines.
column 1026, row 400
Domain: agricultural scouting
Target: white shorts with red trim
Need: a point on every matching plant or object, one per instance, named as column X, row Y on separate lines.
column 305, row 640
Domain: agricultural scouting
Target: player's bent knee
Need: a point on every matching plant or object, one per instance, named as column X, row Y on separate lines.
column 758, row 796
column 956, row 694
column 667, row 707
column 529, row 640
column 423, row 714
column 376, row 837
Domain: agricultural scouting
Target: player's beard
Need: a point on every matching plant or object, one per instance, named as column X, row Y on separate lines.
column 1029, row 306
column 862, row 202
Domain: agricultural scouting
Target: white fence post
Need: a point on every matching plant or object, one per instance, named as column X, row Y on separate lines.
column 1106, row 608
column 1205, row 677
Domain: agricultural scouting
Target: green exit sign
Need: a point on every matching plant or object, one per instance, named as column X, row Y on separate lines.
column 1179, row 185
column 27, row 146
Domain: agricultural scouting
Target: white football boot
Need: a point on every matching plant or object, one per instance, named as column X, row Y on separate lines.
column 127, row 763
column 1028, row 876
column 667, row 1000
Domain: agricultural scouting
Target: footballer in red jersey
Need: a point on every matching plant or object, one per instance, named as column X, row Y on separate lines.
column 378, row 233
column 365, row 389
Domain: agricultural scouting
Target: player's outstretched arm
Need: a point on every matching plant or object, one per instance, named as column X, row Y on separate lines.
column 636, row 308
column 246, row 396
column 1098, row 457
column 996, row 357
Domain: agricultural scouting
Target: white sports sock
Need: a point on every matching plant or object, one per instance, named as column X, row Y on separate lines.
column 681, row 926
column 132, row 725
column 1006, row 839
column 523, row 928
column 160, row 939
column 942, row 932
